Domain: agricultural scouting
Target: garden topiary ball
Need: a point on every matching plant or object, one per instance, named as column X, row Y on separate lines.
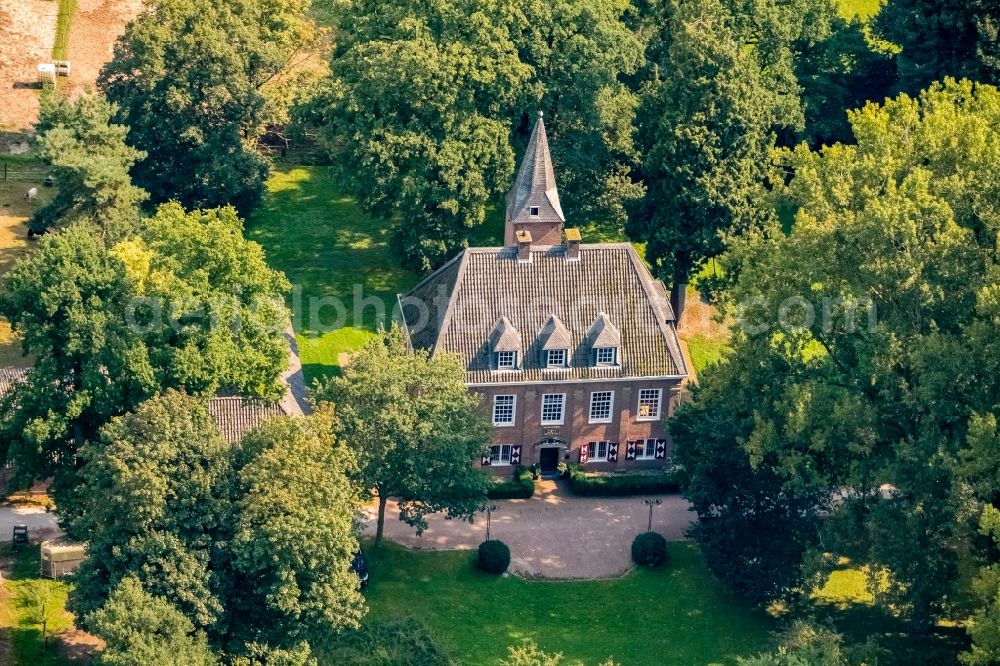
column 494, row 556
column 649, row 549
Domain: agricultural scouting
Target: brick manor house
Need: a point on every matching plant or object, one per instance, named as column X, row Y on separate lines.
column 572, row 346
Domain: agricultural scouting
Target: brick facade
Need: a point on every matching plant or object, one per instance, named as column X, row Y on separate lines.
column 576, row 430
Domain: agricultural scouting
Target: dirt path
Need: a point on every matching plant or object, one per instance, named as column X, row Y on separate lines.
column 28, row 28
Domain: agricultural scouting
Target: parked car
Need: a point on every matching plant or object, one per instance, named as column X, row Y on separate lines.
column 359, row 565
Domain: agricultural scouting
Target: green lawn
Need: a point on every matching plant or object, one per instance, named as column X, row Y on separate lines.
column 331, row 252
column 17, row 624
column 677, row 615
column 704, row 351
column 863, row 9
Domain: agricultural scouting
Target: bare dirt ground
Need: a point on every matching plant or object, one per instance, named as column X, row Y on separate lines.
column 96, row 26
column 27, row 32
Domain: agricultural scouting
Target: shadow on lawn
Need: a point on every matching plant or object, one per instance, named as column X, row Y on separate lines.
column 900, row 642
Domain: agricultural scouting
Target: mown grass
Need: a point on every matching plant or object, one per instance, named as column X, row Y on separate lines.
column 344, row 278
column 863, row 9
column 63, row 21
column 705, row 351
column 23, row 633
column 676, row 615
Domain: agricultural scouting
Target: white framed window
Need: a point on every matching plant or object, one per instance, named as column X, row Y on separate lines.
column 600, row 406
column 605, row 355
column 649, row 404
column 645, row 449
column 506, row 360
column 503, row 410
column 533, row 211
column 500, row 454
column 553, row 408
column 597, row 451
column 555, row 358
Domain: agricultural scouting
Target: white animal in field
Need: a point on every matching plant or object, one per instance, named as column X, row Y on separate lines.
column 31, row 194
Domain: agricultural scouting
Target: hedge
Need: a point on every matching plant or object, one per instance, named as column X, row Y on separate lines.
column 520, row 486
column 619, row 484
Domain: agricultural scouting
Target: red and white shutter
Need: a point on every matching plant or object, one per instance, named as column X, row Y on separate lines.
column 613, row 452
column 661, row 449
column 630, row 450
column 515, row 454
column 584, row 451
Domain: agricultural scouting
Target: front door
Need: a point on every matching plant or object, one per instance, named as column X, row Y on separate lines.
column 549, row 459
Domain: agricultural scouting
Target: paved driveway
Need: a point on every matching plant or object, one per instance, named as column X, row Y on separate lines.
column 41, row 524
column 554, row 534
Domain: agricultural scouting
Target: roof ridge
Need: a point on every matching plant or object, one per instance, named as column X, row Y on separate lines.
column 642, row 272
column 450, row 310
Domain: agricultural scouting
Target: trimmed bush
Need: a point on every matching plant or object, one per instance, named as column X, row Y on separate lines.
column 649, row 549
column 494, row 556
column 521, row 486
column 617, row 485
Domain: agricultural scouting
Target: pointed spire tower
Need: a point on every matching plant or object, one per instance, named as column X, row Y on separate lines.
column 533, row 202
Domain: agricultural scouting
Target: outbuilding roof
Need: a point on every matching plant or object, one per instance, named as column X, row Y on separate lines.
column 234, row 415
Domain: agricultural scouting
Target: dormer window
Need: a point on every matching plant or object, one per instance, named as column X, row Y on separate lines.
column 506, row 360
column 555, row 358
column 605, row 341
column 533, row 211
column 606, row 355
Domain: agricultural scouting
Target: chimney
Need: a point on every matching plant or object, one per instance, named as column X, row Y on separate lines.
column 573, row 245
column 524, row 246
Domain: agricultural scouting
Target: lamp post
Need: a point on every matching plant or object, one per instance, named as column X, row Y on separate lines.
column 488, row 509
column 651, row 502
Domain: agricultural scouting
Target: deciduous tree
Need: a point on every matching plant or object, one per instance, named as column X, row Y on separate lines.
column 293, row 540
column 155, row 502
column 876, row 406
column 187, row 303
column 705, row 130
column 415, row 428
column 191, row 82
column 939, row 38
column 141, row 628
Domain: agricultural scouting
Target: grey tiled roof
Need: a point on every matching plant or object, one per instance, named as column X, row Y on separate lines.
column 463, row 301
column 9, row 377
column 235, row 416
column 535, row 184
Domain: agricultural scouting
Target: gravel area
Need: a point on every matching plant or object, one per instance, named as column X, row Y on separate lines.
column 554, row 534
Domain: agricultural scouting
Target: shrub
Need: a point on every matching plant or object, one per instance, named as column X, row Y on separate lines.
column 384, row 643
column 649, row 549
column 616, row 485
column 494, row 556
column 521, row 486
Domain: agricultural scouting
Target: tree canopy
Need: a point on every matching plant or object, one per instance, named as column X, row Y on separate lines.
column 141, row 628
column 939, row 38
column 428, row 101
column 252, row 546
column 415, row 428
column 90, row 164
column 865, row 364
column 186, row 302
column 192, row 82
